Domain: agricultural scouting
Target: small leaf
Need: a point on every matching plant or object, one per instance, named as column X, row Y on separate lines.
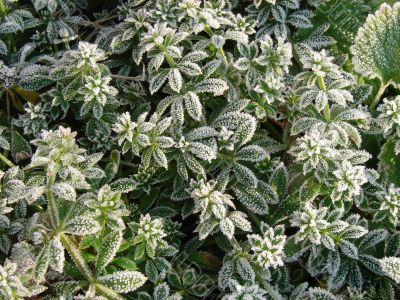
column 161, row 291
column 56, row 255
column 64, row 191
column 123, row 281
column 20, row 148
column 108, row 249
column 82, row 225
column 349, row 249
column 175, row 80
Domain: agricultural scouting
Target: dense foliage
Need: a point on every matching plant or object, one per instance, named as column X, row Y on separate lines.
column 188, row 149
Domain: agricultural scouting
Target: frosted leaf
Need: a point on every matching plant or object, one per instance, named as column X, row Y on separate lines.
column 319, row 294
column 123, row 281
column 252, row 153
column 245, row 269
column 175, row 80
column 158, row 80
column 376, row 48
column 311, row 222
column 193, row 106
column 108, row 250
column 201, row 133
column 64, row 191
column 82, row 225
column 190, row 69
column 160, row 158
column 202, row 151
column 268, row 248
column 349, row 249
column 248, row 291
column 244, row 175
column 391, row 267
column 56, row 255
column 239, row 220
column 227, row 228
column 212, row 85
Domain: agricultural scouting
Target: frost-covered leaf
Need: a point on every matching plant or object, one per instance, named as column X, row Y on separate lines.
column 391, row 267
column 175, row 80
column 123, row 281
column 64, row 191
column 212, row 85
column 108, row 249
column 56, row 255
column 81, row 225
column 376, row 46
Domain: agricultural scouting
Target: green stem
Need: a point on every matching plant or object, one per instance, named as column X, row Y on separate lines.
column 107, row 292
column 378, row 96
column 286, row 134
column 76, row 256
column 222, row 53
column 6, row 160
column 168, row 57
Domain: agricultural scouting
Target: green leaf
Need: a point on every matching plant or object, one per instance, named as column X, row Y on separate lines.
column 294, row 250
column 124, row 185
column 139, row 251
column 123, row 281
column 344, row 19
column 56, row 255
column 279, row 180
column 244, row 175
column 20, row 148
column 151, row 271
column 125, row 263
column 389, row 162
column 349, row 249
column 393, row 247
column 161, row 292
column 35, row 83
column 82, row 225
column 163, row 212
column 376, row 48
column 42, row 263
column 108, row 249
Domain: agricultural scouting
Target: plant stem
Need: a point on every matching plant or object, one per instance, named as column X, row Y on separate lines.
column 222, row 53
column 286, row 134
column 378, row 96
column 168, row 57
column 327, row 112
column 76, row 256
column 6, row 160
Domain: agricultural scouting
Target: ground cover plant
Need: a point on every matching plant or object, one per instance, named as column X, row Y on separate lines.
column 188, row 149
